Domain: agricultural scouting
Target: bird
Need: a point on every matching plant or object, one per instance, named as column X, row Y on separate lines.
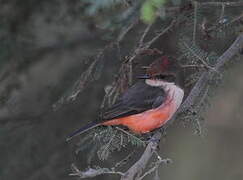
column 148, row 104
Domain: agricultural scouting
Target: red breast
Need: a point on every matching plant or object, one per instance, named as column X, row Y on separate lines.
column 146, row 121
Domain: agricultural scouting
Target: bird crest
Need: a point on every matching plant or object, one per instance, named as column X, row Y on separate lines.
column 159, row 66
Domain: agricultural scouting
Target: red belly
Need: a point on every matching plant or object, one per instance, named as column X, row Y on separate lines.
column 146, row 121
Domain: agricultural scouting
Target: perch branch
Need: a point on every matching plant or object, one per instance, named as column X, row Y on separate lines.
column 143, row 46
column 149, row 43
column 137, row 169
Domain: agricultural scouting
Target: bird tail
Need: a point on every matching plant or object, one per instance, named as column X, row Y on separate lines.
column 82, row 130
column 111, row 122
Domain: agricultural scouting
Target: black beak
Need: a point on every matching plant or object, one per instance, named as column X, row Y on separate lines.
column 146, row 76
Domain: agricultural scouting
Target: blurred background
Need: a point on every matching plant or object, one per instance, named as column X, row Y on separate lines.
column 45, row 46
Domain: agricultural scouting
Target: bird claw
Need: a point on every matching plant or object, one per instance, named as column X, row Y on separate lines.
column 154, row 140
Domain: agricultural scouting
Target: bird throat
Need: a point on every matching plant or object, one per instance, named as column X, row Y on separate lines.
column 173, row 92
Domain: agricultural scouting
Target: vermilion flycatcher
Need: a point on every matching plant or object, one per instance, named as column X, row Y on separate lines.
column 146, row 105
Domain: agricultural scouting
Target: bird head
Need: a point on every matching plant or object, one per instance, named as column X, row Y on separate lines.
column 162, row 76
column 164, row 69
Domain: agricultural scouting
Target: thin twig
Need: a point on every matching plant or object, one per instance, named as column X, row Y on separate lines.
column 141, row 41
column 156, row 174
column 222, row 12
column 126, row 30
column 149, row 43
column 92, row 172
column 154, row 168
column 240, row 3
column 129, row 134
column 130, row 73
column 193, row 66
column 108, row 144
column 124, row 160
column 197, row 56
column 217, row 26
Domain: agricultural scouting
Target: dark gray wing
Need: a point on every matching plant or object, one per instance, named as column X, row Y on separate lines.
column 138, row 98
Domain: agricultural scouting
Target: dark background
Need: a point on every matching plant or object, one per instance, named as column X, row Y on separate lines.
column 45, row 46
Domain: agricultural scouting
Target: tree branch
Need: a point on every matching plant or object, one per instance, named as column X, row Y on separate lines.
column 92, row 172
column 155, row 167
column 240, row 3
column 149, row 43
column 137, row 169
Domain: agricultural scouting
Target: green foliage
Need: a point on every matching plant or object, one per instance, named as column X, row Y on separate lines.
column 226, row 27
column 194, row 54
column 149, row 10
column 105, row 140
column 194, row 119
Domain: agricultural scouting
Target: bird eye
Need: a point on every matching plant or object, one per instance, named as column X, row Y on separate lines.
column 161, row 76
column 170, row 78
column 167, row 77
